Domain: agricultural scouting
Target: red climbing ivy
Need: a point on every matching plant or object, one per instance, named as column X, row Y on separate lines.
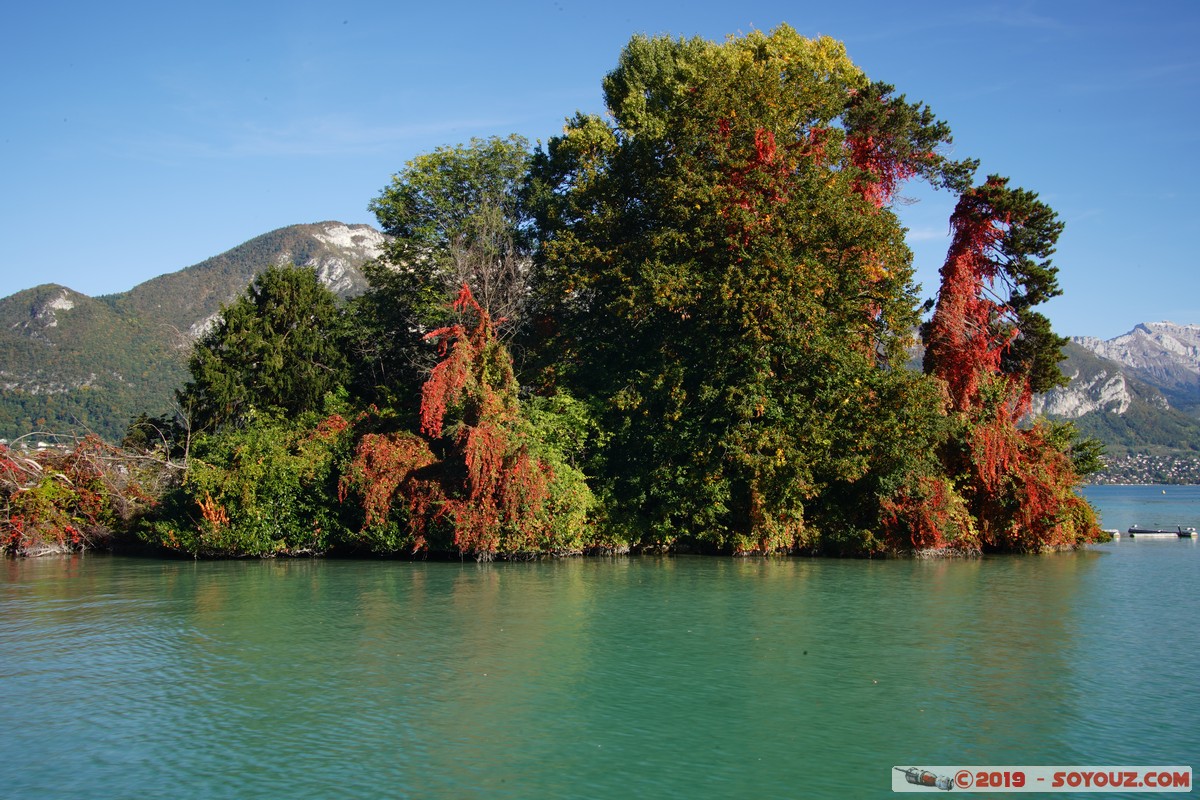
column 1017, row 480
column 391, row 466
column 470, row 475
column 881, row 172
column 930, row 515
column 972, row 324
column 890, row 140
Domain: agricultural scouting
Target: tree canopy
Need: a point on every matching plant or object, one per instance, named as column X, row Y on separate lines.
column 991, row 351
column 997, row 270
column 713, row 303
column 275, row 347
column 455, row 217
column 720, row 270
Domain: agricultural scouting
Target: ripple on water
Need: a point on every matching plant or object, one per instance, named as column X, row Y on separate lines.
column 598, row 678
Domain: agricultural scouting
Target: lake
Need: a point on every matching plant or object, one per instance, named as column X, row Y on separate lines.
column 687, row 677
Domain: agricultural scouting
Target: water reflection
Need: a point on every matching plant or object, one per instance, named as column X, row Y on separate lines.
column 585, row 678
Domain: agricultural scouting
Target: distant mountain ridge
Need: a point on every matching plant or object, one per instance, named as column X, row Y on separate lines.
column 1098, row 385
column 182, row 299
column 1138, row 392
column 1162, row 354
column 70, row 362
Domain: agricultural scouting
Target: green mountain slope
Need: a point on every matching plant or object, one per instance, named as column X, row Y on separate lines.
column 73, row 363
column 1120, row 407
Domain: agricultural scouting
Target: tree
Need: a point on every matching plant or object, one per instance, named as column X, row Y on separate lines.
column 721, row 273
column 481, row 477
column 998, row 267
column 275, row 347
column 992, row 352
column 891, row 140
column 264, row 489
column 454, row 217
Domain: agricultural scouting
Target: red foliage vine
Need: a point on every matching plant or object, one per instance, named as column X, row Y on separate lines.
column 55, row 499
column 387, row 466
column 754, row 186
column 1018, row 482
column 459, row 349
column 882, row 171
column 970, row 329
column 486, row 489
column 331, row 426
column 922, row 516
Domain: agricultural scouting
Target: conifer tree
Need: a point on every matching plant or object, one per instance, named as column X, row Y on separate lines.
column 275, row 347
column 992, row 352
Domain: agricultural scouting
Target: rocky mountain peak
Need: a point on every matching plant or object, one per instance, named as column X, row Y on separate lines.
column 346, row 248
column 1151, row 343
column 1165, row 354
column 360, row 240
column 41, row 309
column 75, row 362
column 1100, row 391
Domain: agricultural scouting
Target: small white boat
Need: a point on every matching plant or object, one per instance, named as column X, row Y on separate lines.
column 1179, row 532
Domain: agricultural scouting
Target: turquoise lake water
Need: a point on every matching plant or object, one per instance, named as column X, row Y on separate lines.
column 684, row 677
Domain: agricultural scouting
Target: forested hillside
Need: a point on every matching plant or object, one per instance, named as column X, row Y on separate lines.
column 71, row 363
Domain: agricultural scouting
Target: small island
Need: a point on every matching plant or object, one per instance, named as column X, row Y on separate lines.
column 682, row 327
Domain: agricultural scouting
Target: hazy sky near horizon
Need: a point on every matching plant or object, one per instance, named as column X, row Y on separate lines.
column 141, row 138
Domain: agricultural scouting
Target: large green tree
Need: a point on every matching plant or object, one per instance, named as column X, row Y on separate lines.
column 275, row 347
column 721, row 273
column 455, row 217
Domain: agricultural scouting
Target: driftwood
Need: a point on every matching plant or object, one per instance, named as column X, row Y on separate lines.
column 64, row 493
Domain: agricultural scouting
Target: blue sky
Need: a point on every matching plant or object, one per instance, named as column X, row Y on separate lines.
column 140, row 138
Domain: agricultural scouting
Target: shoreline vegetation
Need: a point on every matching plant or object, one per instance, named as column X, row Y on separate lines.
column 681, row 327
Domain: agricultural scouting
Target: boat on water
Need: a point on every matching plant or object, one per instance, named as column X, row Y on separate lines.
column 1178, row 531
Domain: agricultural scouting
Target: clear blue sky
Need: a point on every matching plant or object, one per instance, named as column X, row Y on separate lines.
column 140, row 138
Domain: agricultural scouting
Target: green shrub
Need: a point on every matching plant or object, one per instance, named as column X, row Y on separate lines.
column 266, row 489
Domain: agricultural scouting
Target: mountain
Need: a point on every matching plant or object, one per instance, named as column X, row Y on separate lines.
column 70, row 362
column 1137, row 393
column 1163, row 354
column 1097, row 385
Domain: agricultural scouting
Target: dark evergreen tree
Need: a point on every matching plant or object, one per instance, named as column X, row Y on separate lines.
column 275, row 348
column 997, row 271
column 991, row 351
